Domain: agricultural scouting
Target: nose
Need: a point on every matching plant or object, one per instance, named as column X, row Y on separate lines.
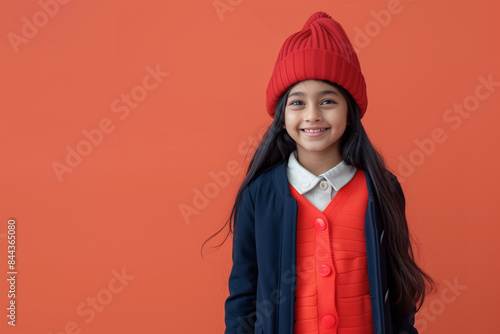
column 312, row 113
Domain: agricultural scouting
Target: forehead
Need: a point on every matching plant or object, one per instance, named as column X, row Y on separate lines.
column 311, row 85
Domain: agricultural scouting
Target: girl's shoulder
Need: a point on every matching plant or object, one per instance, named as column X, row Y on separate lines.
column 268, row 181
column 395, row 184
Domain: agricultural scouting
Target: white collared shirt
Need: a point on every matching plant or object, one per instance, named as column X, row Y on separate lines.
column 318, row 190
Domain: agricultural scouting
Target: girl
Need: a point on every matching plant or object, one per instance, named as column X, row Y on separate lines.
column 321, row 242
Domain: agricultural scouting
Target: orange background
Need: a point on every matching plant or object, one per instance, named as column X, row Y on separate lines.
column 119, row 208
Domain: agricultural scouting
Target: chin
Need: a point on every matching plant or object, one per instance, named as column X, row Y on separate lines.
column 316, row 149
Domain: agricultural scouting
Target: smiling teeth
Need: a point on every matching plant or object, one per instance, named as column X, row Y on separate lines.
column 317, row 130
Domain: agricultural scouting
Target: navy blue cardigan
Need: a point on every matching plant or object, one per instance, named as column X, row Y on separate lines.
column 262, row 280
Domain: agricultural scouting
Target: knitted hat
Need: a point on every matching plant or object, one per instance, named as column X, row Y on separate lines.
column 321, row 50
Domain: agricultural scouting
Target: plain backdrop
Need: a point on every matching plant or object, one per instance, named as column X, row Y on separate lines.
column 126, row 127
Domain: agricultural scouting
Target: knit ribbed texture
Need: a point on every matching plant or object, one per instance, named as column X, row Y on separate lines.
column 332, row 288
column 321, row 50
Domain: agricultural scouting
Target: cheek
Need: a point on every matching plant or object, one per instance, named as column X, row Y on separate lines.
column 338, row 120
column 290, row 121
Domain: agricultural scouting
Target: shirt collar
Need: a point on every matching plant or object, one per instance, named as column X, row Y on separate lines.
column 303, row 180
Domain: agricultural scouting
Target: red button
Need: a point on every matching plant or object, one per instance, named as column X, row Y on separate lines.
column 324, row 270
column 328, row 321
column 320, row 224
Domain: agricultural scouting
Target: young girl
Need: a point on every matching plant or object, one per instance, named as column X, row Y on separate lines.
column 321, row 242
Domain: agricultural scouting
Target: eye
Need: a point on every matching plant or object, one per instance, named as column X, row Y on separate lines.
column 296, row 103
column 328, row 102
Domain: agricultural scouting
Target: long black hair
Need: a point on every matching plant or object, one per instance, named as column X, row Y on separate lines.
column 407, row 278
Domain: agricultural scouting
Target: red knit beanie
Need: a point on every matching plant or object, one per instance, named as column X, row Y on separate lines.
column 321, row 50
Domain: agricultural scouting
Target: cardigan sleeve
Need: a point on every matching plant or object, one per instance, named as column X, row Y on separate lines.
column 403, row 321
column 240, row 306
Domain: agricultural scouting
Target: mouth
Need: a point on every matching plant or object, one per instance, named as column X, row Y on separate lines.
column 314, row 130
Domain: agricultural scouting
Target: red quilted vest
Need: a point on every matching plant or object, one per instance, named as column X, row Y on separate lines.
column 332, row 289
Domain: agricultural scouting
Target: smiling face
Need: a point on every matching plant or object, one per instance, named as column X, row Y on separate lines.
column 316, row 118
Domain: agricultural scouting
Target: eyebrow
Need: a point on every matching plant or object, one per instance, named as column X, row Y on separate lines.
column 323, row 92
